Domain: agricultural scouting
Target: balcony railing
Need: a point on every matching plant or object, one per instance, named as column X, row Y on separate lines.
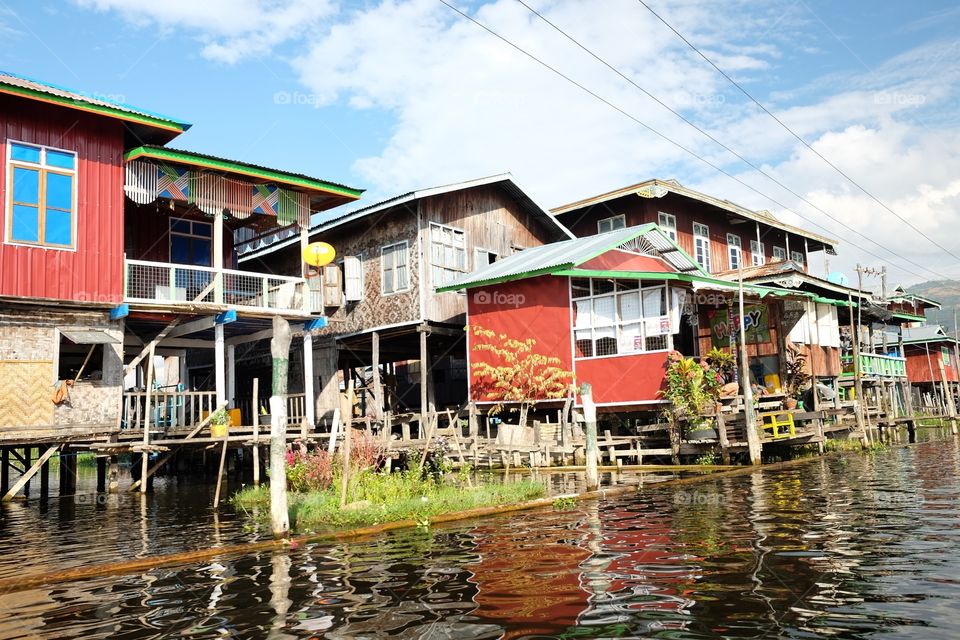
column 875, row 365
column 174, row 285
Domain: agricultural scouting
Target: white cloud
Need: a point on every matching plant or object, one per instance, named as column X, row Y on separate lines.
column 229, row 30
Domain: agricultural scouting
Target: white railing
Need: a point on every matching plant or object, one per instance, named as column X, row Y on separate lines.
column 167, row 410
column 176, row 284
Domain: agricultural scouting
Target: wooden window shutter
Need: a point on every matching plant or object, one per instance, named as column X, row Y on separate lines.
column 353, row 278
column 332, row 286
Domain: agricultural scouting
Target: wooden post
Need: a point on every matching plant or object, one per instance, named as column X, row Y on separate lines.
column 857, row 379
column 280, row 352
column 590, row 419
column 724, row 440
column 29, row 473
column 951, row 405
column 101, row 474
column 231, row 376
column 219, row 360
column 345, row 467
column 256, row 432
column 309, row 396
column 750, row 420
column 223, row 459
column 45, row 479
column 145, row 457
column 114, row 486
column 4, row 469
column 424, row 374
column 377, row 388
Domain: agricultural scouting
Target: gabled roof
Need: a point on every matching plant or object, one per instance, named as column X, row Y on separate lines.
column 658, row 188
column 503, row 180
column 339, row 193
column 926, row 333
column 902, row 295
column 568, row 254
column 791, row 275
column 163, row 128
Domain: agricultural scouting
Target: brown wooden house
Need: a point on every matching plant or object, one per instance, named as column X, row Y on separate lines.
column 718, row 234
column 380, row 295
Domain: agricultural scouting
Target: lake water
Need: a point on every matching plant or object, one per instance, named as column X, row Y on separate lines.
column 857, row 546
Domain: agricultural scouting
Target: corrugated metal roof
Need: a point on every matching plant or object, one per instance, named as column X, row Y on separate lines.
column 926, row 333
column 659, row 188
column 570, row 253
column 504, row 180
column 14, row 80
column 88, row 336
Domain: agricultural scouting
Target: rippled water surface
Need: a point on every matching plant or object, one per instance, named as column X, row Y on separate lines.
column 843, row 547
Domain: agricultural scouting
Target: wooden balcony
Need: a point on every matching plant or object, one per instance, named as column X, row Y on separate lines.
column 874, row 365
column 164, row 285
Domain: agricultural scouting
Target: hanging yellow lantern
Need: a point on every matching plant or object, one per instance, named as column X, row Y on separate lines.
column 318, row 254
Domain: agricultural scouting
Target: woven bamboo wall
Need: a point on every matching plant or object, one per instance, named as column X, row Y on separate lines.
column 25, row 393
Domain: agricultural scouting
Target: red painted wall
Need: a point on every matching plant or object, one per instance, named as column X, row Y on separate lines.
column 540, row 308
column 93, row 272
column 918, row 366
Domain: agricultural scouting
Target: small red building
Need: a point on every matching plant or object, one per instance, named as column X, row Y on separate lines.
column 926, row 349
column 611, row 307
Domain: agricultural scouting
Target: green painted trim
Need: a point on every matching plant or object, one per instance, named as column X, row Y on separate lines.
column 641, row 230
column 546, row 271
column 908, row 316
column 120, row 114
column 272, row 175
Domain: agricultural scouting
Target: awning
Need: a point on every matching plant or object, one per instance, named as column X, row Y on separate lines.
column 88, row 336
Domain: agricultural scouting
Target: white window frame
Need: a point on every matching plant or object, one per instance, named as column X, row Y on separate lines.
column 486, row 252
column 360, row 277
column 618, row 322
column 734, row 251
column 701, row 245
column 668, row 222
column 798, row 257
column 779, row 254
column 611, row 223
column 757, row 255
column 384, row 255
column 443, row 255
column 43, row 168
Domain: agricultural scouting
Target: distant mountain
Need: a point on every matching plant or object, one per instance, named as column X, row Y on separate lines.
column 947, row 293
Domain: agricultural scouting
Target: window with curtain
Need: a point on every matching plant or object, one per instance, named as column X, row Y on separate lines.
column 41, row 200
column 614, row 317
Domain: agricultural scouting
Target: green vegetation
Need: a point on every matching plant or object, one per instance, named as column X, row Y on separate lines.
column 374, row 497
column 708, row 459
column 387, row 497
column 565, row 503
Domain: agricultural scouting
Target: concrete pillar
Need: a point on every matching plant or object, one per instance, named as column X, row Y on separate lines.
column 310, row 400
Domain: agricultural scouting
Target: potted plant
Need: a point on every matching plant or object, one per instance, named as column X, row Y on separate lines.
column 796, row 378
column 690, row 389
column 219, row 423
column 265, row 417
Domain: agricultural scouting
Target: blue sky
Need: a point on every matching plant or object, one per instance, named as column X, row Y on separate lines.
column 391, row 96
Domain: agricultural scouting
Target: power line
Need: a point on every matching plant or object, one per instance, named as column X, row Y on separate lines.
column 721, row 144
column 797, row 136
column 646, row 126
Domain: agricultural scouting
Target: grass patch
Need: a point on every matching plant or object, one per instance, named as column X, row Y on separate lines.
column 376, row 498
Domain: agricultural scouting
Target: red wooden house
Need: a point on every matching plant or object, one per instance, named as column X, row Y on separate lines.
column 115, row 246
column 611, row 307
column 718, row 234
column 926, row 349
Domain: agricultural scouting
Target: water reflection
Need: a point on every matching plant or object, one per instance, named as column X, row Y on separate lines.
column 841, row 547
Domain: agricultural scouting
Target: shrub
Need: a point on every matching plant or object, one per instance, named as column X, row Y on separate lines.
column 309, row 471
column 365, row 452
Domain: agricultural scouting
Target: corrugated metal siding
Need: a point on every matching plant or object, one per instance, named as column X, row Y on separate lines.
column 93, row 272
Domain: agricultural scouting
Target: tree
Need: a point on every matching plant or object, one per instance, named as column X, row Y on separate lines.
column 514, row 373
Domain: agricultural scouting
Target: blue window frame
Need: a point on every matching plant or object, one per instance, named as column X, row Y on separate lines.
column 41, row 205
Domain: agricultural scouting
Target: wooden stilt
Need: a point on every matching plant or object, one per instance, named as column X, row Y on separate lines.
column 377, row 387
column 101, row 474
column 4, row 470
column 45, row 480
column 345, row 467
column 220, row 474
column 114, row 474
column 29, row 473
column 280, row 352
column 256, row 432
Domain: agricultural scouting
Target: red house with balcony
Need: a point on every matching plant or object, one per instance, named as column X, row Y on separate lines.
column 121, row 306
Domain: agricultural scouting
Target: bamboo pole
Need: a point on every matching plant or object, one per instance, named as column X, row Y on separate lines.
column 256, row 432
column 750, row 419
column 145, row 460
column 345, row 469
column 223, row 459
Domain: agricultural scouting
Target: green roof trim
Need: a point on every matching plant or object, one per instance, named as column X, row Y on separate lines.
column 101, row 109
column 548, row 271
column 908, row 316
column 677, row 277
column 243, row 168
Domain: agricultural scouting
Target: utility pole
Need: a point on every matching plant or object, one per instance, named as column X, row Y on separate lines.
column 590, row 417
column 750, row 420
